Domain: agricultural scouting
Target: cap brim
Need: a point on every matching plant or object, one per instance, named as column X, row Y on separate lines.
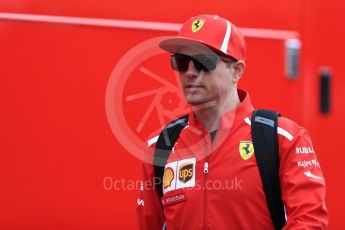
column 173, row 45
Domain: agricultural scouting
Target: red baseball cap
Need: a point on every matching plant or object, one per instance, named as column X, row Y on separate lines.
column 213, row 31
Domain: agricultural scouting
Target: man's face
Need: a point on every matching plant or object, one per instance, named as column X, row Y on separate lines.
column 202, row 87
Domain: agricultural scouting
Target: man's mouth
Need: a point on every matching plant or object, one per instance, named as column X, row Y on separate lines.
column 191, row 86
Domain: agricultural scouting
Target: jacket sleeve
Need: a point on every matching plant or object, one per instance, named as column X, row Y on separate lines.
column 149, row 210
column 302, row 181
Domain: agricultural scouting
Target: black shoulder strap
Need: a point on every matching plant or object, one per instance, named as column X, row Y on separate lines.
column 265, row 141
column 165, row 143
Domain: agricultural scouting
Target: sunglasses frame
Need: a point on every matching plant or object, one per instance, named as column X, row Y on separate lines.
column 206, row 62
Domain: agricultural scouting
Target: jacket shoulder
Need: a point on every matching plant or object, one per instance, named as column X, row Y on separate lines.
column 288, row 128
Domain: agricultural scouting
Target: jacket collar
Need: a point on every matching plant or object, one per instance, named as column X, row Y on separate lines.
column 232, row 117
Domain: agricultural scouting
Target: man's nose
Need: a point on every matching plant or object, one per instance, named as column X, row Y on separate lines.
column 192, row 71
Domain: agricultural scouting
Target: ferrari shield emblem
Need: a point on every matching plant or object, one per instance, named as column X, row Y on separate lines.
column 197, row 25
column 246, row 149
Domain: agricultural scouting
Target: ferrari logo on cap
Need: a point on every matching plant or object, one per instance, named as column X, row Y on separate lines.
column 246, row 149
column 197, row 25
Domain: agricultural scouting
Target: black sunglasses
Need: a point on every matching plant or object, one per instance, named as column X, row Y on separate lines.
column 205, row 62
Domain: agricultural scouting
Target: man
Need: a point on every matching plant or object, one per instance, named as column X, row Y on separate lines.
column 211, row 178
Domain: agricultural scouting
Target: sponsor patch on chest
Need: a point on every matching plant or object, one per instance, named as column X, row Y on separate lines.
column 246, row 149
column 179, row 174
column 173, row 199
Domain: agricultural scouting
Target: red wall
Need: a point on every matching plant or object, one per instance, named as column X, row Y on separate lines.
column 56, row 144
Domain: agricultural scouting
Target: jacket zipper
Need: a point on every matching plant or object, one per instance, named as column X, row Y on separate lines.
column 206, row 170
column 206, row 167
column 205, row 193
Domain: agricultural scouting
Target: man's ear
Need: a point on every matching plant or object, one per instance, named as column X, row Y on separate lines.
column 238, row 70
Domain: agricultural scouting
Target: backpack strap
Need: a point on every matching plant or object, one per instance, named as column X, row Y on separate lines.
column 164, row 145
column 264, row 124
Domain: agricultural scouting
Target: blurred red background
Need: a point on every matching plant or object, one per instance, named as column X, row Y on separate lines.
column 58, row 154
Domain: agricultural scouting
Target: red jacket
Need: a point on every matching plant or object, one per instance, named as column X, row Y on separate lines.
column 218, row 186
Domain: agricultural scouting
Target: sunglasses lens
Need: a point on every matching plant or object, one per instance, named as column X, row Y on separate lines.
column 180, row 62
column 208, row 62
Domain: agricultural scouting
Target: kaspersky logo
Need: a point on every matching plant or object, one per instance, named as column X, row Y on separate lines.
column 197, row 25
column 185, row 172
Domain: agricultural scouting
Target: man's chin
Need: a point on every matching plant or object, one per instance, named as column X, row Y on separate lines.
column 198, row 102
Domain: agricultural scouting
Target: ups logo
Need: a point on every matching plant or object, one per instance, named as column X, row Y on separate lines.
column 185, row 172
